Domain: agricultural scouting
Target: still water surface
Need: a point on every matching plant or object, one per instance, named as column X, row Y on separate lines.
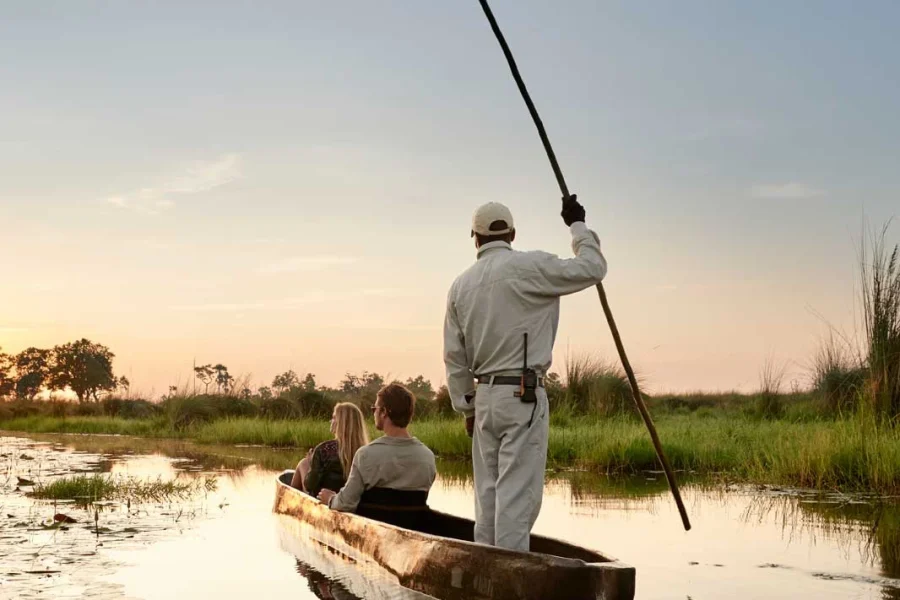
column 746, row 542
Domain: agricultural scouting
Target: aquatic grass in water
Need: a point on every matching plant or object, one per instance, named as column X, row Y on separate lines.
column 92, row 488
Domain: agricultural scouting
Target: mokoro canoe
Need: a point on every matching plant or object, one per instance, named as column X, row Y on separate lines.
column 441, row 560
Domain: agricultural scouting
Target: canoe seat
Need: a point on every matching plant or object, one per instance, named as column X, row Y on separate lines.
column 403, row 508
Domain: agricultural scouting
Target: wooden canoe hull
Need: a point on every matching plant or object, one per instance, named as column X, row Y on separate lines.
column 446, row 564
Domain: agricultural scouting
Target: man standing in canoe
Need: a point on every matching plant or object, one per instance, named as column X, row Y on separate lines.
column 499, row 329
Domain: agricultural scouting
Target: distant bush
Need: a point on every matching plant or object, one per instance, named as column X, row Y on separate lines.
column 694, row 401
column 129, row 408
column 316, row 404
column 443, row 406
column 185, row 411
column 425, row 408
column 22, row 408
column 280, row 407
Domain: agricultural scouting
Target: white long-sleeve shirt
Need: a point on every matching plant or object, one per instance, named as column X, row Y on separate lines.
column 505, row 294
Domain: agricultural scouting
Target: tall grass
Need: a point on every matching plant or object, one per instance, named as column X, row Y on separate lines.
column 298, row 433
column 852, row 454
column 594, row 386
column 880, row 273
column 839, row 377
column 768, row 400
column 156, row 427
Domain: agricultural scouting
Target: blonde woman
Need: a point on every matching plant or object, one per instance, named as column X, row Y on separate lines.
column 328, row 464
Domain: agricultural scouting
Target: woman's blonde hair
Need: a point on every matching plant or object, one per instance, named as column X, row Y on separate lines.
column 350, row 433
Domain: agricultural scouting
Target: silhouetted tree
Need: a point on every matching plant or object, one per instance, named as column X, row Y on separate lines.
column 309, row 383
column 420, row 387
column 285, row 381
column 205, row 373
column 368, row 382
column 32, row 370
column 84, row 367
column 224, row 380
column 442, row 403
column 7, row 379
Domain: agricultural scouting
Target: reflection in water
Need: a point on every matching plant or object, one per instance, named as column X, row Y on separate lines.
column 867, row 525
column 747, row 542
column 322, row 586
column 57, row 549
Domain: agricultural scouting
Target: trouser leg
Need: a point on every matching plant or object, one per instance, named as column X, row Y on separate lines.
column 485, row 447
column 521, row 462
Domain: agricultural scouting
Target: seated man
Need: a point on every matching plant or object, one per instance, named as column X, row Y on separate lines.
column 390, row 477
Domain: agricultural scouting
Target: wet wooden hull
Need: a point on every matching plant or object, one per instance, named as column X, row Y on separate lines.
column 443, row 562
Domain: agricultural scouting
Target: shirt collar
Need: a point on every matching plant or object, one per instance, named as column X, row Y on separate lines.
column 493, row 245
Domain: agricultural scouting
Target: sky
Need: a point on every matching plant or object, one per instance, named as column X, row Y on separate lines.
column 290, row 185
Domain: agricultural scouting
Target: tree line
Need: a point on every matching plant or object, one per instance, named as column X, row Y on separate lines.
column 367, row 384
column 86, row 369
column 83, row 367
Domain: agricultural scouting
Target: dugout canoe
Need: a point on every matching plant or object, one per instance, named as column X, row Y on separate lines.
column 441, row 559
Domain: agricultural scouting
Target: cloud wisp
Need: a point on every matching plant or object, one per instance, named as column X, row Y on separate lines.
column 195, row 178
column 785, row 191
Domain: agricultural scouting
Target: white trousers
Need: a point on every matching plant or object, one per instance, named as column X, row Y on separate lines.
column 509, row 458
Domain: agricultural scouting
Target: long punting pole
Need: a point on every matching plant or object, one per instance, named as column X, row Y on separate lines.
column 635, row 392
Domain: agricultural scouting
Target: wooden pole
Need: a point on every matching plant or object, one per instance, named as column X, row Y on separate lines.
column 635, row 391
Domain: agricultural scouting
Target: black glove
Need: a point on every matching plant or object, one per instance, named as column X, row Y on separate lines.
column 470, row 426
column 572, row 211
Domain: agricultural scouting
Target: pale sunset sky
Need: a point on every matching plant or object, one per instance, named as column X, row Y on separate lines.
column 290, row 184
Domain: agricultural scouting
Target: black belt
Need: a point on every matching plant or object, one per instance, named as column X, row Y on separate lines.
column 505, row 380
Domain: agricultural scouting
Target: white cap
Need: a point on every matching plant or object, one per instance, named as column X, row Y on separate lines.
column 487, row 214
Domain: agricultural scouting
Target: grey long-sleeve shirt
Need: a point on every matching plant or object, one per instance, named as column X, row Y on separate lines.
column 505, row 294
column 391, row 462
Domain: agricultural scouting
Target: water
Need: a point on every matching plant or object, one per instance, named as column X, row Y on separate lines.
column 747, row 542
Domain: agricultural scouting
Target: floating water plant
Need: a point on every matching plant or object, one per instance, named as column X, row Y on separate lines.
column 91, row 488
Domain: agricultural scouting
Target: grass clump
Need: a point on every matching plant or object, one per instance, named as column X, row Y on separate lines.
column 593, row 386
column 838, row 377
column 880, row 273
column 92, row 488
column 768, row 400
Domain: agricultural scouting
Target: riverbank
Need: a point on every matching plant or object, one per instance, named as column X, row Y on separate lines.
column 853, row 455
